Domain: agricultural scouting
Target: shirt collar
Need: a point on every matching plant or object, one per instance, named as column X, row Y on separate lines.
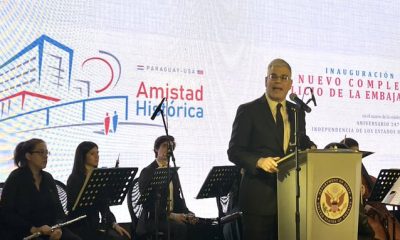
column 272, row 104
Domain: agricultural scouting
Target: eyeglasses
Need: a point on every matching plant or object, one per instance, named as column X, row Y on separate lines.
column 275, row 77
column 42, row 152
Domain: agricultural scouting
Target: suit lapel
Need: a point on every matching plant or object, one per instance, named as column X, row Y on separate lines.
column 266, row 111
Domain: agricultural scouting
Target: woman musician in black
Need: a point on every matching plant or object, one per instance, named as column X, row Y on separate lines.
column 87, row 159
column 29, row 200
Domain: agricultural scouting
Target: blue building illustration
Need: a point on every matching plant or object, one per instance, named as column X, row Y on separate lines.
column 27, row 78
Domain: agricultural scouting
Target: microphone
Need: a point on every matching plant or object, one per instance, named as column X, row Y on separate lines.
column 157, row 109
column 299, row 102
column 313, row 97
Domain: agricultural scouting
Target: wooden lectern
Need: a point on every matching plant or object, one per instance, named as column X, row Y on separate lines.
column 330, row 182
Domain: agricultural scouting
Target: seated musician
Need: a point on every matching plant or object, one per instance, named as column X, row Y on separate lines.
column 86, row 159
column 29, row 200
column 183, row 223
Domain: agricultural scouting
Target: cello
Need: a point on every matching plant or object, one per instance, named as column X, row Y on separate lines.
column 380, row 219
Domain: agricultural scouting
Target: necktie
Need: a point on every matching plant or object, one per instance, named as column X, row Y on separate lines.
column 279, row 123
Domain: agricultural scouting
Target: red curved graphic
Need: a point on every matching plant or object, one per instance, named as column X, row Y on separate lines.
column 111, row 69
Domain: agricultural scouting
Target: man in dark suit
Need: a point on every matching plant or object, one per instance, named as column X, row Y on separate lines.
column 261, row 133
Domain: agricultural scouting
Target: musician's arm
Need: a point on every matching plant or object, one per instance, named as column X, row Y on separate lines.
column 9, row 203
column 145, row 178
column 121, row 231
column 113, row 222
column 108, row 216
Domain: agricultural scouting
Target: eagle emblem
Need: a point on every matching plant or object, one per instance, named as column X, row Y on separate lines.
column 334, row 200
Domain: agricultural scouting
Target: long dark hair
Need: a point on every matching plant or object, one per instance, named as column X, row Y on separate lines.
column 80, row 156
column 22, row 149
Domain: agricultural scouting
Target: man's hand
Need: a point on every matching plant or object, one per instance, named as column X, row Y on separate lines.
column 192, row 219
column 56, row 234
column 268, row 164
column 120, row 230
column 45, row 230
column 178, row 217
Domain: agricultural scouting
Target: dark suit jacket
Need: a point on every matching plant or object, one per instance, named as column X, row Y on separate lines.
column 23, row 206
column 146, row 218
column 254, row 135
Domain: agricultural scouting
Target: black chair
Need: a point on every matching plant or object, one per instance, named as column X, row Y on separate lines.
column 136, row 209
column 62, row 194
column 232, row 227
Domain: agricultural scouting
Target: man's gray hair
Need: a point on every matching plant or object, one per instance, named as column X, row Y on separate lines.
column 279, row 62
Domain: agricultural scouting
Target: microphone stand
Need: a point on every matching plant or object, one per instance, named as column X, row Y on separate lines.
column 296, row 145
column 168, row 178
column 312, row 97
column 296, row 157
column 170, row 156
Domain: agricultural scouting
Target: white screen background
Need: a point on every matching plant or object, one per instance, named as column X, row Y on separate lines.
column 221, row 47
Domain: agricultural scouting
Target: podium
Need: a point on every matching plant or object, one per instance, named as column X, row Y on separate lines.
column 330, row 183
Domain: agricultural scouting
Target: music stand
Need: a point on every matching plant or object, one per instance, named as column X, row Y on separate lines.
column 105, row 186
column 366, row 153
column 158, row 184
column 384, row 182
column 218, row 183
column 158, row 181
